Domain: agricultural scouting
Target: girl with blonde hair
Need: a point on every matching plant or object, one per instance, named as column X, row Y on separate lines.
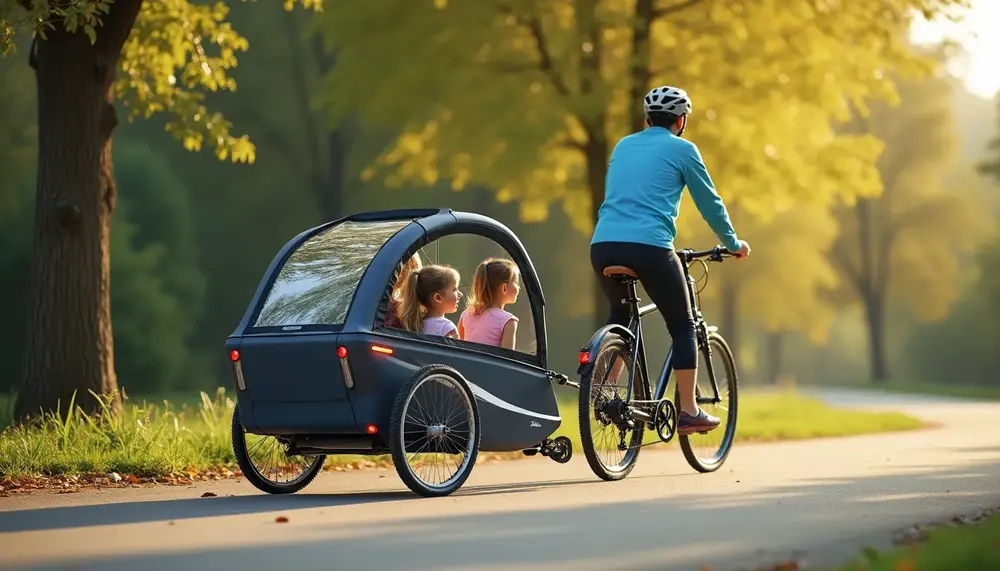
column 495, row 284
column 429, row 294
column 411, row 265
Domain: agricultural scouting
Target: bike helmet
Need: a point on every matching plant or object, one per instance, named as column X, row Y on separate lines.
column 666, row 99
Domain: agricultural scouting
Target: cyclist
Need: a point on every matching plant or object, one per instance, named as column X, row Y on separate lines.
column 635, row 227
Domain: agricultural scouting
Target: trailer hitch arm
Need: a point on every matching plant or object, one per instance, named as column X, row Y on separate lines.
column 561, row 379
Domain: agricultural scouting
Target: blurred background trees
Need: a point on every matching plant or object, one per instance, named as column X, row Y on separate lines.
column 857, row 168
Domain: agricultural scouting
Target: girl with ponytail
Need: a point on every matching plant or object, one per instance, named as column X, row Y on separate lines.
column 495, row 284
column 429, row 294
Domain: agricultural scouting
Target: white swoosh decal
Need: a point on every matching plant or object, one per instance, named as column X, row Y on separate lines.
column 482, row 394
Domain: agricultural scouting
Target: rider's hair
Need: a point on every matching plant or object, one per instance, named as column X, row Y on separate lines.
column 418, row 293
column 414, row 263
column 490, row 275
column 662, row 119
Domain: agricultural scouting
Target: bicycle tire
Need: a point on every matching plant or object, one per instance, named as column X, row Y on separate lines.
column 611, row 345
column 731, row 387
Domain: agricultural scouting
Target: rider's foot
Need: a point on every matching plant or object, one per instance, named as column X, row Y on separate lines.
column 700, row 422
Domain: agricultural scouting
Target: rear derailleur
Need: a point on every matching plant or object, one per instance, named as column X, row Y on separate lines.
column 559, row 449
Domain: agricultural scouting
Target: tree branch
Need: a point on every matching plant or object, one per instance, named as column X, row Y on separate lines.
column 841, row 259
column 116, row 26
column 545, row 57
column 658, row 13
column 281, row 142
column 545, row 62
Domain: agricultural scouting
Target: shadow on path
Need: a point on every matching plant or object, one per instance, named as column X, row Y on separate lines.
column 829, row 517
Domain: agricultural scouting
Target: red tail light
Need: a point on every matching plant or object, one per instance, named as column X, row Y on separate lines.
column 371, row 429
column 234, row 355
column 342, row 352
column 584, row 357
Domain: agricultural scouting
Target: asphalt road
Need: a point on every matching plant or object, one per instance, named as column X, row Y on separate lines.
column 821, row 500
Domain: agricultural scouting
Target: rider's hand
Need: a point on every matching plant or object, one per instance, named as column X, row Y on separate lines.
column 743, row 252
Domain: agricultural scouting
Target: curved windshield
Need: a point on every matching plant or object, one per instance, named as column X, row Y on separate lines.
column 317, row 282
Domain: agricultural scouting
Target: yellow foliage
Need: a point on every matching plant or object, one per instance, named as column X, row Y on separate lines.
column 177, row 51
column 549, row 77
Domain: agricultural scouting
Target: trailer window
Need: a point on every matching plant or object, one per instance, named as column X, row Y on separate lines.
column 317, row 282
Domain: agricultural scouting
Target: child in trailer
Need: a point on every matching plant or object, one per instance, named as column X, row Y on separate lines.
column 485, row 321
column 429, row 294
column 391, row 314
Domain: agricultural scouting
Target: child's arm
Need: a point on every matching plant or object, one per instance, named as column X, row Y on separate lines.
column 509, row 334
column 461, row 327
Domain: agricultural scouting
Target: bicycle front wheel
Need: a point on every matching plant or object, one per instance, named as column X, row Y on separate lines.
column 602, row 395
column 708, row 452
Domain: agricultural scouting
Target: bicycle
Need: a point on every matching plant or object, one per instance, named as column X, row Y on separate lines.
column 624, row 347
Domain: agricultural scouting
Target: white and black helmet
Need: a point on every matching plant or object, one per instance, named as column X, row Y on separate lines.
column 666, row 99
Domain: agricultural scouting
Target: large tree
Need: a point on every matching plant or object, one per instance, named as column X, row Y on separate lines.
column 905, row 247
column 155, row 56
column 529, row 96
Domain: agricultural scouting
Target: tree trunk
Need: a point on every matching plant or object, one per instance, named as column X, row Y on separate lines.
column 597, row 168
column 875, row 316
column 730, row 315
column 69, row 348
column 640, row 72
column 330, row 187
column 775, row 344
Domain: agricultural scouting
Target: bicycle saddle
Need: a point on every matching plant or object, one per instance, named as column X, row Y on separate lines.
column 619, row 272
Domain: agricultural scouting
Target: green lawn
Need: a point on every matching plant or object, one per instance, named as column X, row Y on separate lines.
column 974, row 546
column 978, row 392
column 156, row 438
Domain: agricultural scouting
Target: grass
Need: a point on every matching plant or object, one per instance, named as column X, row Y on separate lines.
column 975, row 546
column 771, row 417
column 977, row 392
column 151, row 439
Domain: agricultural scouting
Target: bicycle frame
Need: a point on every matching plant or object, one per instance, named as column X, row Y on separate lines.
column 638, row 351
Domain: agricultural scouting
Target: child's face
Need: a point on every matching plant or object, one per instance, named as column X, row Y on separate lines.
column 509, row 290
column 447, row 300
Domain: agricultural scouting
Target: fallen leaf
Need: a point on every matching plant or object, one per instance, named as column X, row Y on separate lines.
column 281, row 519
column 208, row 495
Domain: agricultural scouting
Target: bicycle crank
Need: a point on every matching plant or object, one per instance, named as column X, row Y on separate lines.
column 665, row 420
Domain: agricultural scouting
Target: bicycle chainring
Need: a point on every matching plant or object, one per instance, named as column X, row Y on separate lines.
column 665, row 420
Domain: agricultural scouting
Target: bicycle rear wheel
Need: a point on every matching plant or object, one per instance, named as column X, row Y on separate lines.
column 708, row 452
column 600, row 400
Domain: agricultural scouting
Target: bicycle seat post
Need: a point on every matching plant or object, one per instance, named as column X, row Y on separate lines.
column 631, row 296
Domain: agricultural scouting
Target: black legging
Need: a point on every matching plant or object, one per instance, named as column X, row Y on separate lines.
column 660, row 272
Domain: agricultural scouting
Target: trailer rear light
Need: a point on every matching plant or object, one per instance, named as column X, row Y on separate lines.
column 345, row 367
column 371, row 429
column 234, row 356
column 584, row 357
column 382, row 349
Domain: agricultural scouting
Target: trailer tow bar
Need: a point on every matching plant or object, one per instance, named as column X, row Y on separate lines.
column 562, row 379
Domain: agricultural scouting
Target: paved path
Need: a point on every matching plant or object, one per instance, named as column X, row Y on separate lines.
column 825, row 498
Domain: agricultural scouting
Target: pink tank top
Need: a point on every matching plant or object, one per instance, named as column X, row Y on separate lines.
column 487, row 327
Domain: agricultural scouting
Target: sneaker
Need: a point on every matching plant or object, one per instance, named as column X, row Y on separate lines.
column 702, row 422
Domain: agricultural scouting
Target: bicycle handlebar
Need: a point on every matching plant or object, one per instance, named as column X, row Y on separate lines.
column 715, row 254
